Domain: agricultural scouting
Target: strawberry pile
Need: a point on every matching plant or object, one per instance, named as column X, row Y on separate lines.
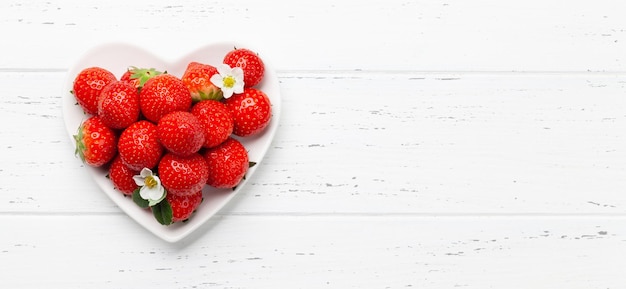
column 163, row 138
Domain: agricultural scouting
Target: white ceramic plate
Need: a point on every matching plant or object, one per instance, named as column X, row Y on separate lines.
column 116, row 57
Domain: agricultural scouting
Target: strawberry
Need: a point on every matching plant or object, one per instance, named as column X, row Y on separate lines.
column 184, row 206
column 137, row 77
column 163, row 94
column 122, row 177
column 126, row 77
column 87, row 86
column 251, row 111
column 183, row 175
column 181, row 133
column 250, row 62
column 197, row 79
column 228, row 164
column 118, row 105
column 95, row 142
column 216, row 120
column 139, row 147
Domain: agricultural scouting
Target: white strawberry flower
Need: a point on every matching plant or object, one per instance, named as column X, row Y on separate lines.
column 151, row 189
column 229, row 80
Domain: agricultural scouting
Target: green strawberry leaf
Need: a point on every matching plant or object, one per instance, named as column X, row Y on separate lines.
column 143, row 74
column 80, row 144
column 163, row 212
column 212, row 95
column 139, row 200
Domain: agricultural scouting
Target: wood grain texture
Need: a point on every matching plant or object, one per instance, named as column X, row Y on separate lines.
column 105, row 251
column 378, row 143
column 484, row 35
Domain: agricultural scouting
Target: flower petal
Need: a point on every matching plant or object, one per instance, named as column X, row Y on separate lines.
column 157, row 197
column 227, row 91
column 237, row 72
column 238, row 87
column 217, row 80
column 156, row 193
column 224, row 69
column 144, row 193
column 152, row 194
column 139, row 180
column 157, row 180
column 145, row 172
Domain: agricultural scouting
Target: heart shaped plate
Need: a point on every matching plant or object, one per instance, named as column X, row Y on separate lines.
column 117, row 57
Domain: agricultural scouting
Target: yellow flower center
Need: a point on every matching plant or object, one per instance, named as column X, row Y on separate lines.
column 229, row 81
column 150, row 182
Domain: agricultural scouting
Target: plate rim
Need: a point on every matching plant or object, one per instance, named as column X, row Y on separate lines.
column 260, row 143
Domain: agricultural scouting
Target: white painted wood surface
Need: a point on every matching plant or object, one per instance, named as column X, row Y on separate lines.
column 423, row 144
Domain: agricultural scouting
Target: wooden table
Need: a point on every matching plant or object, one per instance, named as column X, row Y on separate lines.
column 422, row 144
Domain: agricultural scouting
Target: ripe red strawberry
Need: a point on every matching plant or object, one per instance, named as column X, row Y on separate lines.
column 250, row 62
column 228, row 164
column 95, row 142
column 184, row 206
column 251, row 111
column 197, row 79
column 137, row 77
column 217, row 122
column 183, row 175
column 126, row 77
column 87, row 86
column 122, row 177
column 139, row 147
column 163, row 94
column 118, row 105
column 181, row 133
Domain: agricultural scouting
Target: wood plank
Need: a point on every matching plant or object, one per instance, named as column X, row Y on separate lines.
column 105, row 251
column 374, row 143
column 430, row 35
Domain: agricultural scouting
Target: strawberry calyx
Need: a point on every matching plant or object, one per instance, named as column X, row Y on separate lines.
column 80, row 145
column 214, row 94
column 143, row 74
